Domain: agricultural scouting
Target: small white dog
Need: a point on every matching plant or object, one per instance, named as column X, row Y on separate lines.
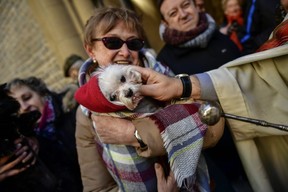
column 120, row 84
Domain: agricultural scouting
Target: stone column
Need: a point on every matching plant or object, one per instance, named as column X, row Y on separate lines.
column 59, row 29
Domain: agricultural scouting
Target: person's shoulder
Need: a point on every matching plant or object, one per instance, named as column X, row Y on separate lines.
column 166, row 49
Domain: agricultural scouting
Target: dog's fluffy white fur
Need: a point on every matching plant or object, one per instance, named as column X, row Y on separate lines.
column 120, row 84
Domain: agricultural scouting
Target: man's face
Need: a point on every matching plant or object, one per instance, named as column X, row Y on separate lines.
column 284, row 3
column 233, row 8
column 181, row 15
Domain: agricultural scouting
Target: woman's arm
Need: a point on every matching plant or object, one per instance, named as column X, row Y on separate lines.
column 95, row 176
column 164, row 88
column 121, row 131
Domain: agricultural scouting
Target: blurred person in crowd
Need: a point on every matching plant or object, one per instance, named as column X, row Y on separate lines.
column 55, row 130
column 20, row 169
column 281, row 11
column 200, row 4
column 71, row 69
column 191, row 38
column 252, row 86
column 233, row 21
column 284, row 3
column 7, row 168
column 193, row 45
column 111, row 153
column 259, row 22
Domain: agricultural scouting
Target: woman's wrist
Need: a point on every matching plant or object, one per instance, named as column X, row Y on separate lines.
column 142, row 145
column 133, row 141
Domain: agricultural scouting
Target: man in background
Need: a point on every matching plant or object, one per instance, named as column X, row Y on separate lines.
column 71, row 68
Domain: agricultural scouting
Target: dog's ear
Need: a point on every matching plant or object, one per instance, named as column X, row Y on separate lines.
column 134, row 75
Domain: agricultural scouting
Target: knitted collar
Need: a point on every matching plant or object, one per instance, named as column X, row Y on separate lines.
column 198, row 37
column 90, row 96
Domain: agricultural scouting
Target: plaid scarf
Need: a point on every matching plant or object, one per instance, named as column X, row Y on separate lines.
column 46, row 126
column 183, row 141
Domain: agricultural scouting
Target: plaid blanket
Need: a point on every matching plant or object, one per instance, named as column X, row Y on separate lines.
column 182, row 133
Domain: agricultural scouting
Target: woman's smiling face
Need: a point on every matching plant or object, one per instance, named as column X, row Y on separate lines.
column 29, row 100
column 123, row 55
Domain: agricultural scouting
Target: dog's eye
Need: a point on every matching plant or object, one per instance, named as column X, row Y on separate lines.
column 112, row 97
column 123, row 79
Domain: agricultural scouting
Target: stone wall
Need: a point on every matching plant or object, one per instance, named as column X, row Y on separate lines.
column 24, row 50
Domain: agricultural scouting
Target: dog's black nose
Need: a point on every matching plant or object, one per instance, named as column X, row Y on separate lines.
column 129, row 93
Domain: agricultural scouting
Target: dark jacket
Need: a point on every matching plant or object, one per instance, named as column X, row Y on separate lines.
column 219, row 51
column 60, row 155
column 259, row 21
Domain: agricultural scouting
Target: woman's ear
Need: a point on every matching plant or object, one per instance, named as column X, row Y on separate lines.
column 89, row 50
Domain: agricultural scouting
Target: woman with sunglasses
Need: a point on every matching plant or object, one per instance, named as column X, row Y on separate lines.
column 115, row 35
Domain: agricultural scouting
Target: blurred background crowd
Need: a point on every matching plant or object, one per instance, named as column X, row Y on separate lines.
column 41, row 52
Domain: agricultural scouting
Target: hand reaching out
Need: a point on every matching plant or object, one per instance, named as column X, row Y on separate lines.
column 22, row 155
column 165, row 184
column 159, row 86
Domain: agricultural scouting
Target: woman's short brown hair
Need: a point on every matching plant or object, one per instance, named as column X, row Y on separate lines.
column 105, row 19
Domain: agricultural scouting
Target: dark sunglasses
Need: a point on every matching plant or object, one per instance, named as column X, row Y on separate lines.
column 116, row 43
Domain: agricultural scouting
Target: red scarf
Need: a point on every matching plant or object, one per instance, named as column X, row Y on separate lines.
column 279, row 37
column 233, row 36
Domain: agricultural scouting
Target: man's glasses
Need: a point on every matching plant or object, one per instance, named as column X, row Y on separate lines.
column 116, row 43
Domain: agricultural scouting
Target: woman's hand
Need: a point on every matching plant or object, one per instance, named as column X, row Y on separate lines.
column 112, row 130
column 29, row 146
column 9, row 169
column 168, row 184
column 22, row 155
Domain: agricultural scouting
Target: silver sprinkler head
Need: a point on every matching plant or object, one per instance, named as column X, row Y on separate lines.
column 210, row 112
